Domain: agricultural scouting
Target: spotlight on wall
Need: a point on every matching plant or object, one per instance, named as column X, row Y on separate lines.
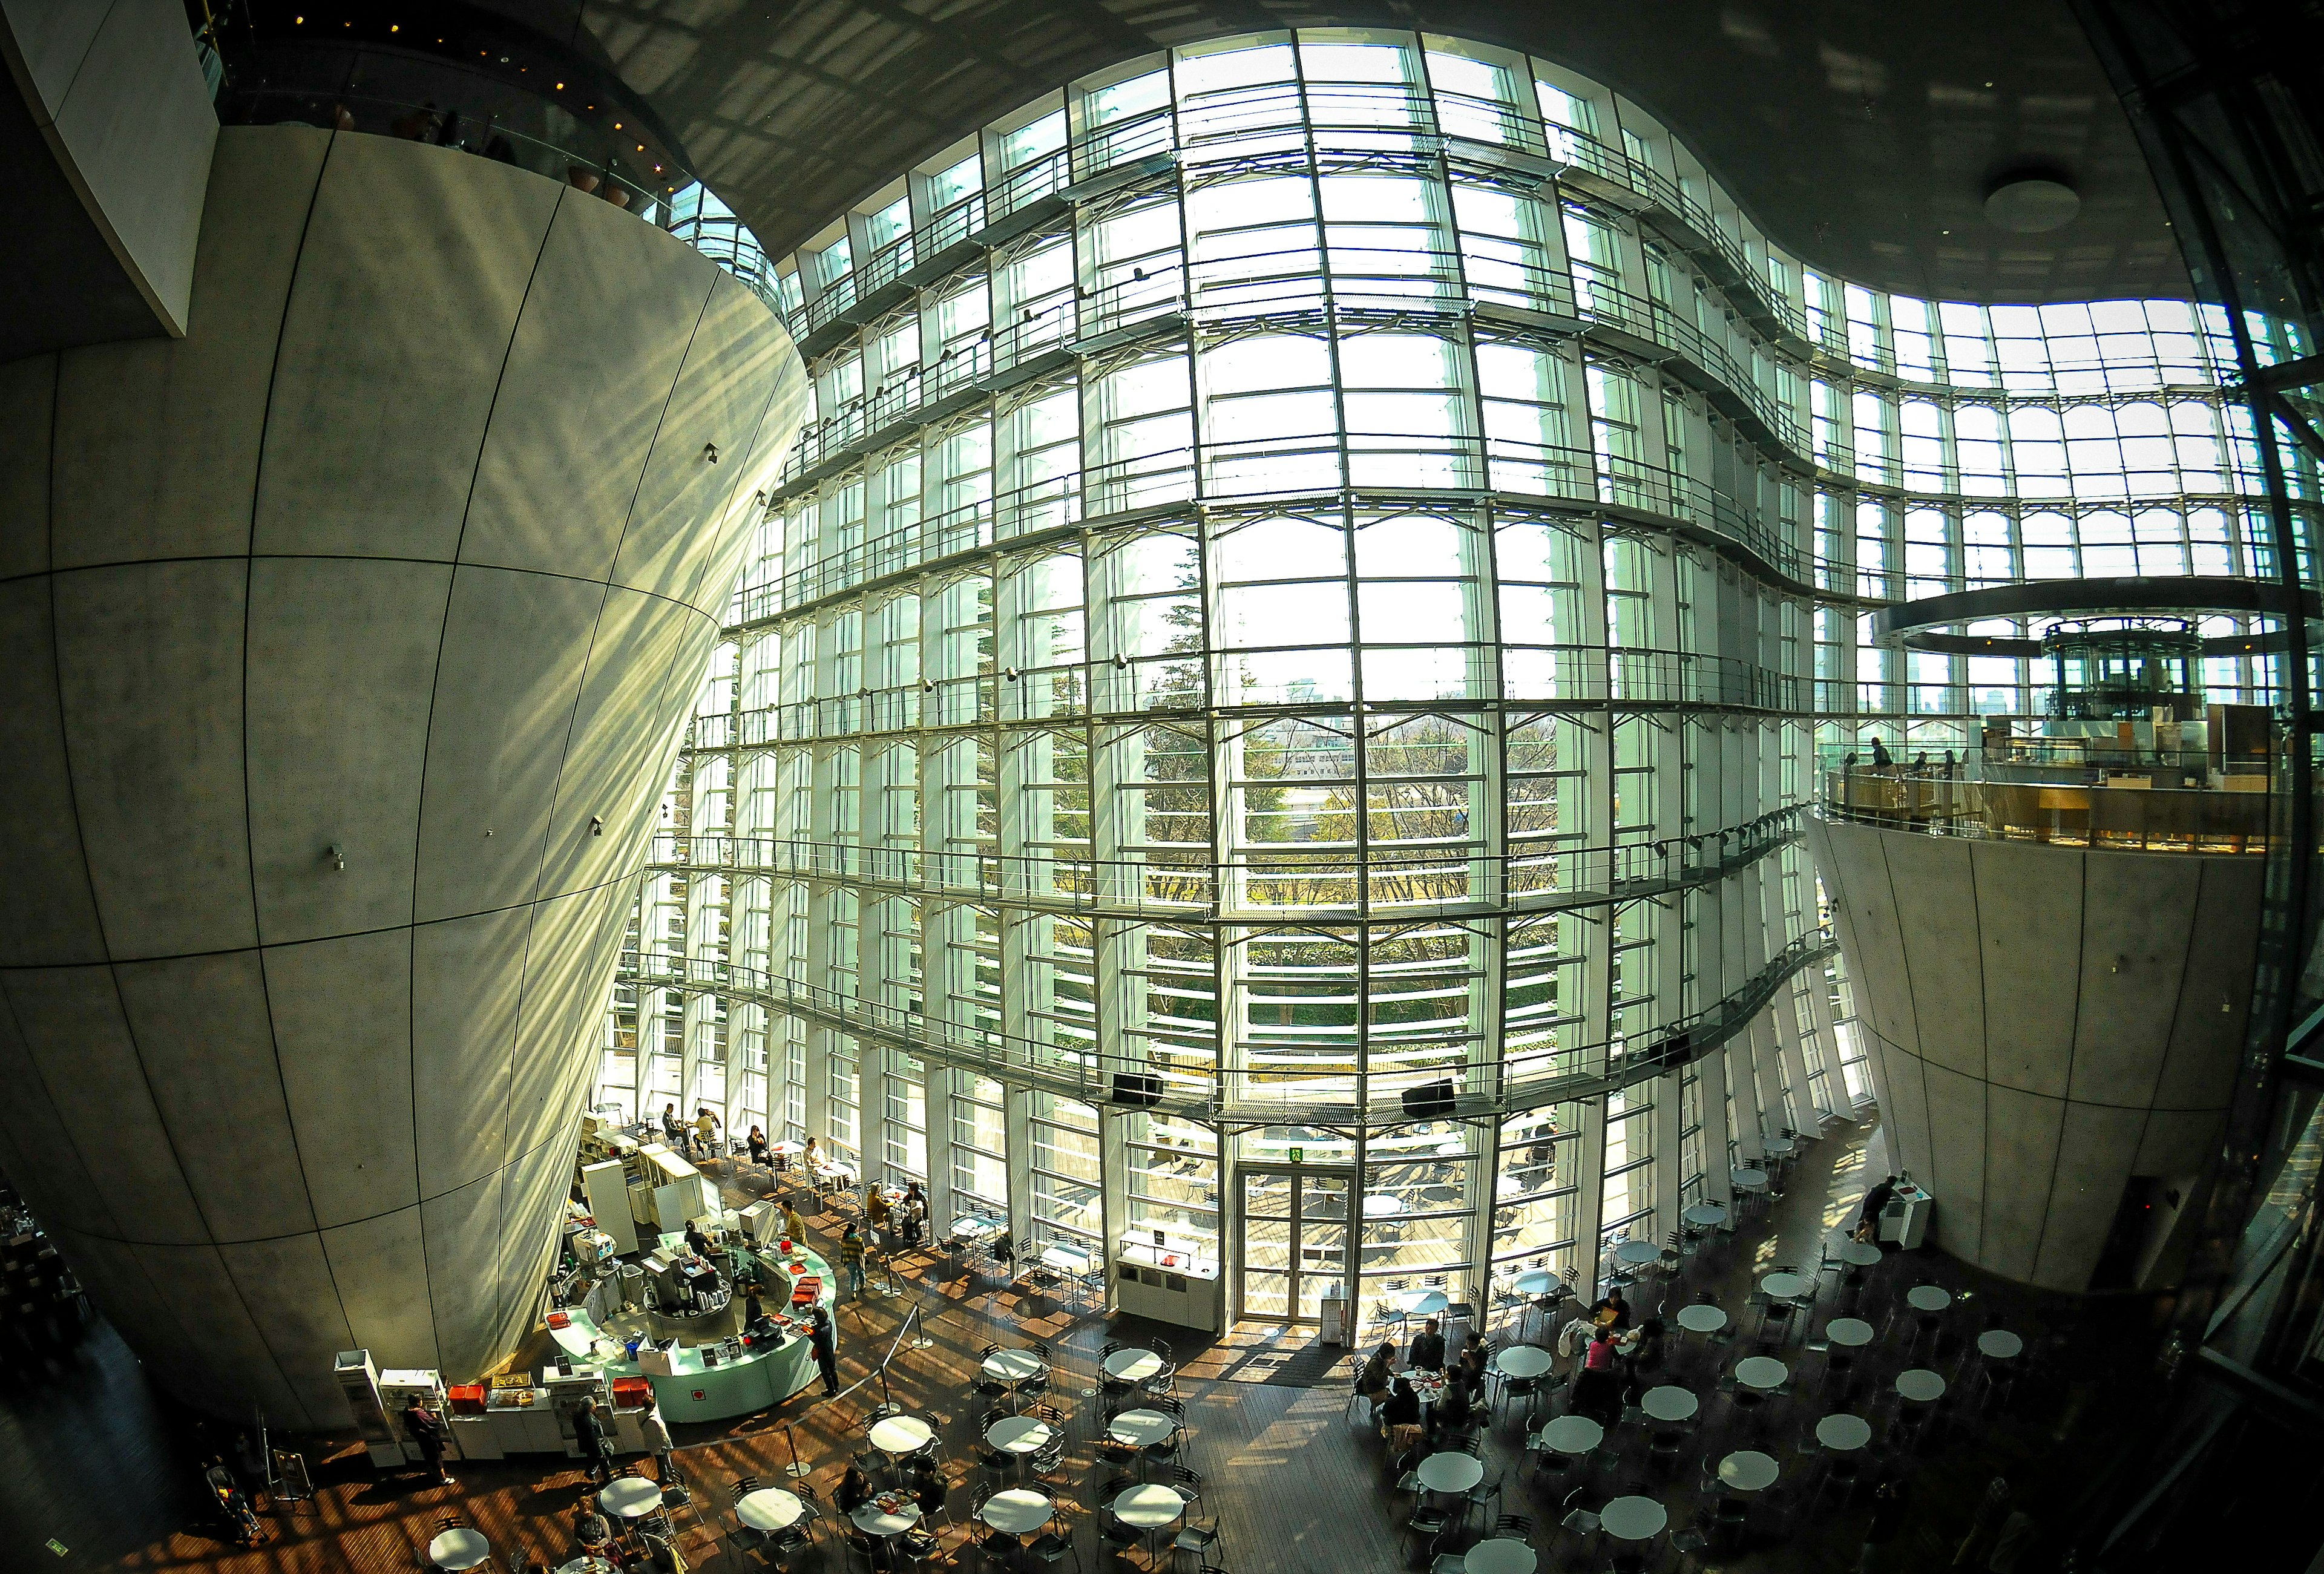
column 337, row 857
column 710, row 453
column 596, row 825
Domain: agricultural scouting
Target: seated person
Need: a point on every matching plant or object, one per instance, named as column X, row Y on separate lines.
column 811, row 1158
column 1642, row 1347
column 929, row 1487
column 1373, row 1380
column 1598, row 1391
column 1401, row 1416
column 1454, row 1410
column 875, row 1208
column 591, row 1529
column 1427, row 1353
column 854, row 1490
column 1473, row 1361
column 1611, row 1310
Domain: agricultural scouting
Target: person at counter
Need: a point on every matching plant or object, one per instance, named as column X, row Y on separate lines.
column 794, row 1230
column 825, row 1339
column 754, row 1314
column 421, row 1425
column 589, row 1434
column 697, row 1242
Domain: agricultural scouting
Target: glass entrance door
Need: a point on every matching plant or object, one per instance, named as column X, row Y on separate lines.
column 1295, row 1241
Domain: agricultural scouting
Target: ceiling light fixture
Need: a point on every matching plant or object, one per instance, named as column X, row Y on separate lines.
column 2030, row 204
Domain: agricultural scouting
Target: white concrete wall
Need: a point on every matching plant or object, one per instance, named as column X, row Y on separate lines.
column 410, row 548
column 2044, row 1023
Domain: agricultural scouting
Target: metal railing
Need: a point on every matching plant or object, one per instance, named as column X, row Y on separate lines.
column 2119, row 815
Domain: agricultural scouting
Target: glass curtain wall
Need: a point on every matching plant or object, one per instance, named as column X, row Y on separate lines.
column 1301, row 621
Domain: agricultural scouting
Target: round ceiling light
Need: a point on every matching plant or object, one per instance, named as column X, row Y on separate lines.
column 2031, row 206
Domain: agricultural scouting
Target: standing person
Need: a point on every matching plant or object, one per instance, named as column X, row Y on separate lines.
column 1887, row 1518
column 794, row 1229
column 826, row 1340
column 426, row 1431
column 656, row 1432
column 589, row 1432
column 1867, row 1220
column 1985, row 1524
column 851, row 1257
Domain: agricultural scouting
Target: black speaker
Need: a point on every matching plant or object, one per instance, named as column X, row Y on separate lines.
column 1428, row 1102
column 1139, row 1089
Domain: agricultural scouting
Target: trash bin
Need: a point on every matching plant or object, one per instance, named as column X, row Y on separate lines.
column 1335, row 1318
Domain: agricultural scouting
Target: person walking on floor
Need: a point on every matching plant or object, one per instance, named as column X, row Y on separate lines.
column 589, row 1432
column 426, row 1431
column 826, row 1341
column 1991, row 1509
column 1887, row 1518
column 851, row 1257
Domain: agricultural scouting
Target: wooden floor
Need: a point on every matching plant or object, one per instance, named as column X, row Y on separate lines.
column 89, row 1457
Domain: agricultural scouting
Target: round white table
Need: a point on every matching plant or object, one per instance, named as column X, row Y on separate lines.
column 1858, row 1254
column 1747, row 1470
column 1782, row 1286
column 1843, row 1433
column 785, row 1149
column 1012, row 1366
column 1523, row 1361
column 2000, row 1344
column 1748, row 1180
column 1132, row 1365
column 1534, row 1282
column 875, row 1521
column 629, row 1497
column 1018, row 1434
column 1927, row 1298
column 1702, row 1318
column 1670, row 1403
column 1151, row 1506
column 1381, row 1205
column 588, row 1563
column 1921, row 1386
column 1637, row 1253
column 459, row 1548
column 1419, row 1303
column 1572, row 1434
column 1764, row 1373
column 1633, row 1519
column 1452, row 1472
column 1704, row 1215
column 1500, row 1555
column 1778, row 1147
column 1017, row 1512
column 769, row 1508
column 901, row 1434
column 1847, row 1332
column 1140, row 1428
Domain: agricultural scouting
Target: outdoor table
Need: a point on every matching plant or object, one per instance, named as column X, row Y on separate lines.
column 1633, row 1519
column 1702, row 1318
column 901, row 1434
column 460, row 1548
column 1500, row 1555
column 2000, row 1344
column 1847, row 1332
column 629, row 1497
column 1747, row 1470
column 1132, row 1365
column 1927, row 1298
column 1670, row 1403
column 1764, row 1373
column 1921, row 1386
column 1523, row 1361
column 1450, row 1472
column 1572, row 1434
column 1018, row 1434
column 1782, row 1286
column 1012, row 1366
column 1017, row 1512
column 1843, row 1433
column 892, row 1517
column 1142, row 1428
column 1704, row 1215
column 769, row 1508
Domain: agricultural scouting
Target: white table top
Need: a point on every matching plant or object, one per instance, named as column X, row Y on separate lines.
column 588, row 1564
column 784, row 1148
column 1012, row 1366
column 1747, row 1180
column 1132, row 1365
column 459, row 1549
column 1843, row 1433
column 836, row 1171
column 1572, row 1434
column 1522, row 1361
column 1747, row 1470
column 1763, row 1372
column 1847, row 1332
column 1782, row 1286
column 1018, row 1434
column 629, row 1497
column 1633, row 1519
column 1381, row 1205
column 875, row 1521
column 1534, row 1282
column 1670, row 1403
column 1419, row 1303
column 1500, row 1555
column 1067, row 1259
column 1450, row 1472
column 1927, row 1298
column 2000, row 1344
column 1921, row 1386
column 1857, row 1254
column 1704, row 1215
column 901, row 1434
column 1148, row 1508
column 1637, row 1253
column 1018, row 1511
column 976, row 1227
column 769, row 1508
column 1778, row 1147
column 1702, row 1318
column 1140, row 1428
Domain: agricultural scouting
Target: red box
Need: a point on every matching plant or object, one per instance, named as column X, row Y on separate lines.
column 807, row 1290
column 560, row 1320
column 633, row 1393
column 467, row 1398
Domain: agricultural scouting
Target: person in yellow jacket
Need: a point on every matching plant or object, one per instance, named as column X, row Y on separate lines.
column 794, row 1230
column 850, row 1258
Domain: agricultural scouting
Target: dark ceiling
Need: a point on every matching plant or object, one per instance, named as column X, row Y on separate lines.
column 1862, row 136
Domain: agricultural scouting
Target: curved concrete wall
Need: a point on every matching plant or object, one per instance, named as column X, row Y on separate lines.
column 2043, row 1024
column 411, row 548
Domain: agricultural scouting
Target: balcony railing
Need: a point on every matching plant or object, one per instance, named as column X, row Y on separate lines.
column 2122, row 813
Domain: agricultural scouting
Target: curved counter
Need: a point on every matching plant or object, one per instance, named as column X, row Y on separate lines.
column 764, row 1376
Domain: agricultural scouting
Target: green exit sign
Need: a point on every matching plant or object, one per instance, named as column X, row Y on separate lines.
column 1297, row 1155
